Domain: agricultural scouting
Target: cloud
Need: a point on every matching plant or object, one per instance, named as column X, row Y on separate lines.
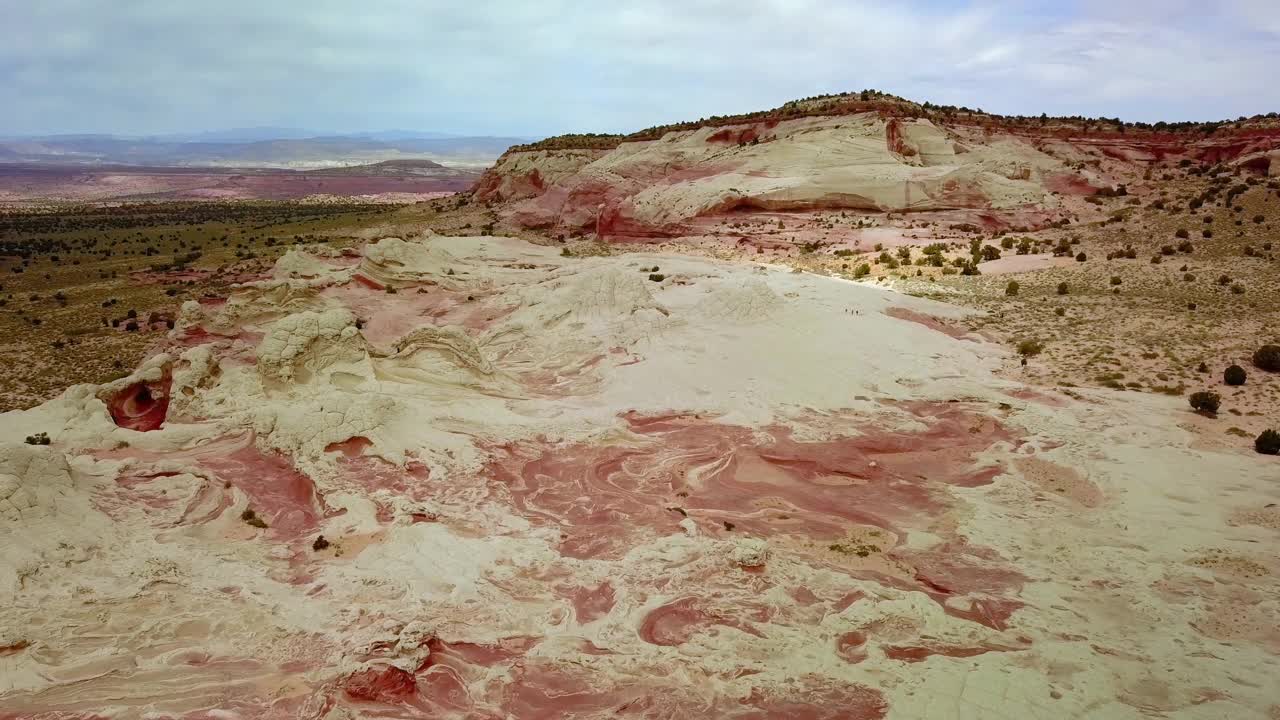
column 516, row 67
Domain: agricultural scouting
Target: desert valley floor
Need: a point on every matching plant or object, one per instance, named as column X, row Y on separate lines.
column 476, row 477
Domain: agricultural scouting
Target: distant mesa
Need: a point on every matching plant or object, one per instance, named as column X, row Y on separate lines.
column 255, row 147
column 387, row 167
column 393, row 180
column 866, row 152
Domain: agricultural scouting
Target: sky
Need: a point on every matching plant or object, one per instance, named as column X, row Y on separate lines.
column 542, row 67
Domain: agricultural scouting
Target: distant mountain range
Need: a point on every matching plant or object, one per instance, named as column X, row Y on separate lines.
column 256, row 147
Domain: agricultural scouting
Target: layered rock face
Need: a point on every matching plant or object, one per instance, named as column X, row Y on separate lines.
column 992, row 176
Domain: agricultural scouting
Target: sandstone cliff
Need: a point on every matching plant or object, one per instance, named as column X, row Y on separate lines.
column 880, row 157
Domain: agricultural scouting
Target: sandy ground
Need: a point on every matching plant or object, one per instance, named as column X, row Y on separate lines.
column 1023, row 263
column 642, row 485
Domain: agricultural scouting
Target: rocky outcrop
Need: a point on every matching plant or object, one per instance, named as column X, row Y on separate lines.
column 872, row 161
column 552, row 487
column 521, row 175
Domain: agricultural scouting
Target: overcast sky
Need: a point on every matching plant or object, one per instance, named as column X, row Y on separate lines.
column 539, row 67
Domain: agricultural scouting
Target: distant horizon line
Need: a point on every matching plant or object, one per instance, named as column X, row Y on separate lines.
column 265, row 133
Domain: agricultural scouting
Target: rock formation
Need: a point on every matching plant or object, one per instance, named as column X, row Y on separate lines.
column 875, row 157
column 536, row 486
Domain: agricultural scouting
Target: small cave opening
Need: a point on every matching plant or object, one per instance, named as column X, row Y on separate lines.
column 141, row 406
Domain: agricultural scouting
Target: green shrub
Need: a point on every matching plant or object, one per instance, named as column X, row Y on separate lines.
column 1267, row 443
column 1182, row 234
column 1062, row 288
column 1206, row 402
column 657, row 277
column 1011, row 288
column 862, row 270
column 1234, row 375
column 251, row 518
column 1029, row 348
column 1081, row 257
column 1267, row 358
